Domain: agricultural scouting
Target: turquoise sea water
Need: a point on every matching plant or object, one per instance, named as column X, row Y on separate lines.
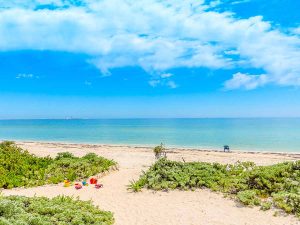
column 281, row 135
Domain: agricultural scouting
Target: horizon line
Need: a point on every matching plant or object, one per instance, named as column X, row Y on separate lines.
column 132, row 118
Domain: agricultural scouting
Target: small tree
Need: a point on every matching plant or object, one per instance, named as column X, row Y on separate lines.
column 160, row 151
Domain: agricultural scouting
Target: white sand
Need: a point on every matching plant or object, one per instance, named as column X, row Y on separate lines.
column 149, row 208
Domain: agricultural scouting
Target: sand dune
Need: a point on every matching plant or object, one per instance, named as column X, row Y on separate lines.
column 201, row 207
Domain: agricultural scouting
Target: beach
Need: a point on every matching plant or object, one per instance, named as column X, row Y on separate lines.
column 121, row 112
column 154, row 208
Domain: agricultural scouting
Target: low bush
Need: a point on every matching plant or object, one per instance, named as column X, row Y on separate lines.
column 266, row 205
column 61, row 210
column 19, row 168
column 159, row 151
column 251, row 184
column 248, row 197
column 289, row 202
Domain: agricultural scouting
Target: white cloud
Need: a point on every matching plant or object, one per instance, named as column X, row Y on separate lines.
column 154, row 83
column 168, row 83
column 162, row 36
column 231, row 52
column 296, row 30
column 26, row 76
column 239, row 2
column 163, row 80
column 166, row 75
column 172, row 84
column 215, row 3
column 32, row 4
column 246, row 81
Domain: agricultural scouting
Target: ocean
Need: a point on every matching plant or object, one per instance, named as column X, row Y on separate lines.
column 275, row 135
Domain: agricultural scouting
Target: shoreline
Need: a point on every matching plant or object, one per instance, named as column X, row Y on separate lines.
column 170, row 149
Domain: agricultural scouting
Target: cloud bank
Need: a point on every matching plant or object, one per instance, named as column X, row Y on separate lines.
column 154, row 35
column 246, row 81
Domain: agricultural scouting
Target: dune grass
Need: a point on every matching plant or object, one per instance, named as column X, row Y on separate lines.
column 266, row 186
column 19, row 168
column 61, row 210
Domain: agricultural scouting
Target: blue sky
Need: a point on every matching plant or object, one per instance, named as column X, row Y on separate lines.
column 149, row 58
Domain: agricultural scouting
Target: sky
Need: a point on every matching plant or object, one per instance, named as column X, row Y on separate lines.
column 149, row 58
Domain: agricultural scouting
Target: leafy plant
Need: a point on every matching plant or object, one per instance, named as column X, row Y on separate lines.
column 20, row 168
column 266, row 205
column 251, row 184
column 63, row 155
column 248, row 197
column 159, row 150
column 135, row 186
column 289, row 202
column 61, row 210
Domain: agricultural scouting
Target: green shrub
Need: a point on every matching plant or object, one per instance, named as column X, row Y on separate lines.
column 289, row 202
column 159, row 149
column 61, row 210
column 74, row 168
column 62, row 155
column 266, row 206
column 135, row 186
column 20, row 168
column 248, row 197
column 251, row 184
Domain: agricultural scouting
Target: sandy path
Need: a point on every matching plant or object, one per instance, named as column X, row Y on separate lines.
column 149, row 208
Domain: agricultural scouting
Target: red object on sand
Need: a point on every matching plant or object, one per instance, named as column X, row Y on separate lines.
column 78, row 186
column 98, row 186
column 93, row 181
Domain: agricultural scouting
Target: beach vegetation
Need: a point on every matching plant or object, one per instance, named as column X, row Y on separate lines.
column 61, row 210
column 159, row 151
column 266, row 186
column 19, row 168
column 266, row 205
column 248, row 197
